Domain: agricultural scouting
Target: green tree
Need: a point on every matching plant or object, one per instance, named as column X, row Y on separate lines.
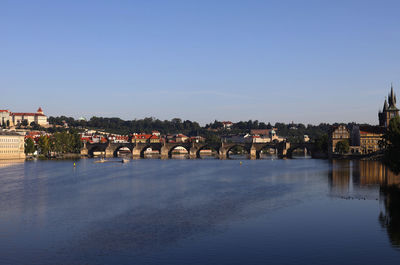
column 24, row 123
column 391, row 142
column 44, row 145
column 321, row 143
column 29, row 146
column 342, row 147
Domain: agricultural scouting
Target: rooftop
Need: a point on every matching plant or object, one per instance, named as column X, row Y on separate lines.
column 7, row 133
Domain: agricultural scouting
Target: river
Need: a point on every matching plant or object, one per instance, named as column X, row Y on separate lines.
column 208, row 211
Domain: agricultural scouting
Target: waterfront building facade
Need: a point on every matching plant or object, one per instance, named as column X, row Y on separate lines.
column 12, row 145
column 337, row 134
column 367, row 139
column 370, row 139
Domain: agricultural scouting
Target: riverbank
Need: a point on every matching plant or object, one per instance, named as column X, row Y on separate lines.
column 372, row 156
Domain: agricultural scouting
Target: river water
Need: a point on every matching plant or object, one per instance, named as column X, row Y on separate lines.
column 150, row 211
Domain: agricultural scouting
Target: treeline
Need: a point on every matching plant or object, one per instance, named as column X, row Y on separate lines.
column 293, row 132
column 176, row 125
column 57, row 143
column 119, row 126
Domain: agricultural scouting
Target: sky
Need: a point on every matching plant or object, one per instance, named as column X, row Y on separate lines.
column 272, row 61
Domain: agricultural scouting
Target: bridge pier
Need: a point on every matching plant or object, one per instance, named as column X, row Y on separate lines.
column 109, row 152
column 222, row 154
column 84, row 150
column 253, row 153
column 136, row 152
column 164, row 153
column 283, row 150
column 193, row 153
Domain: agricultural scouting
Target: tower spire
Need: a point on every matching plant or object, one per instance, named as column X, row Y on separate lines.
column 385, row 105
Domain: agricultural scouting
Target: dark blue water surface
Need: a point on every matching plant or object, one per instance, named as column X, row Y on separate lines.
column 299, row 211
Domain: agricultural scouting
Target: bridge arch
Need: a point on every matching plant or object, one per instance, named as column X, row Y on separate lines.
column 174, row 146
column 205, row 146
column 270, row 145
column 231, row 146
column 144, row 149
column 119, row 147
column 96, row 148
column 307, row 149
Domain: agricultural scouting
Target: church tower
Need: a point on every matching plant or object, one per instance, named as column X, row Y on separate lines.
column 389, row 110
column 40, row 111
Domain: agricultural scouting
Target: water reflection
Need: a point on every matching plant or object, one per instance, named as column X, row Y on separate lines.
column 390, row 217
column 10, row 163
column 339, row 177
column 351, row 180
column 198, row 212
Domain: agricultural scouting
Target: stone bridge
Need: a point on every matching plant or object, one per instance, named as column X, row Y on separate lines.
column 284, row 149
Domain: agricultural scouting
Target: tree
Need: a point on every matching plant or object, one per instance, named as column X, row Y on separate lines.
column 321, row 144
column 44, row 145
column 391, row 142
column 24, row 123
column 29, row 146
column 342, row 147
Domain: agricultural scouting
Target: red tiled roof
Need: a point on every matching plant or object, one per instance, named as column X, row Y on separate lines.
column 33, row 133
column 143, row 136
column 372, row 129
column 154, row 137
column 26, row 114
column 3, row 110
column 260, row 131
column 39, row 110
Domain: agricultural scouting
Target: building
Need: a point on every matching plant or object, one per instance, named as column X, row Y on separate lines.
column 12, row 145
column 370, row 139
column 38, row 117
column 262, row 132
column 118, row 138
column 5, row 118
column 265, row 136
column 181, row 138
column 337, row 134
column 389, row 111
column 154, row 139
column 141, row 138
column 156, row 133
column 227, row 124
column 197, row 139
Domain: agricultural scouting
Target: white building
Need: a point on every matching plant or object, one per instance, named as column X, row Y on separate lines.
column 5, row 118
column 12, row 145
column 38, row 117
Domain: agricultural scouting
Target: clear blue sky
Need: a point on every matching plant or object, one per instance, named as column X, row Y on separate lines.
column 302, row 61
